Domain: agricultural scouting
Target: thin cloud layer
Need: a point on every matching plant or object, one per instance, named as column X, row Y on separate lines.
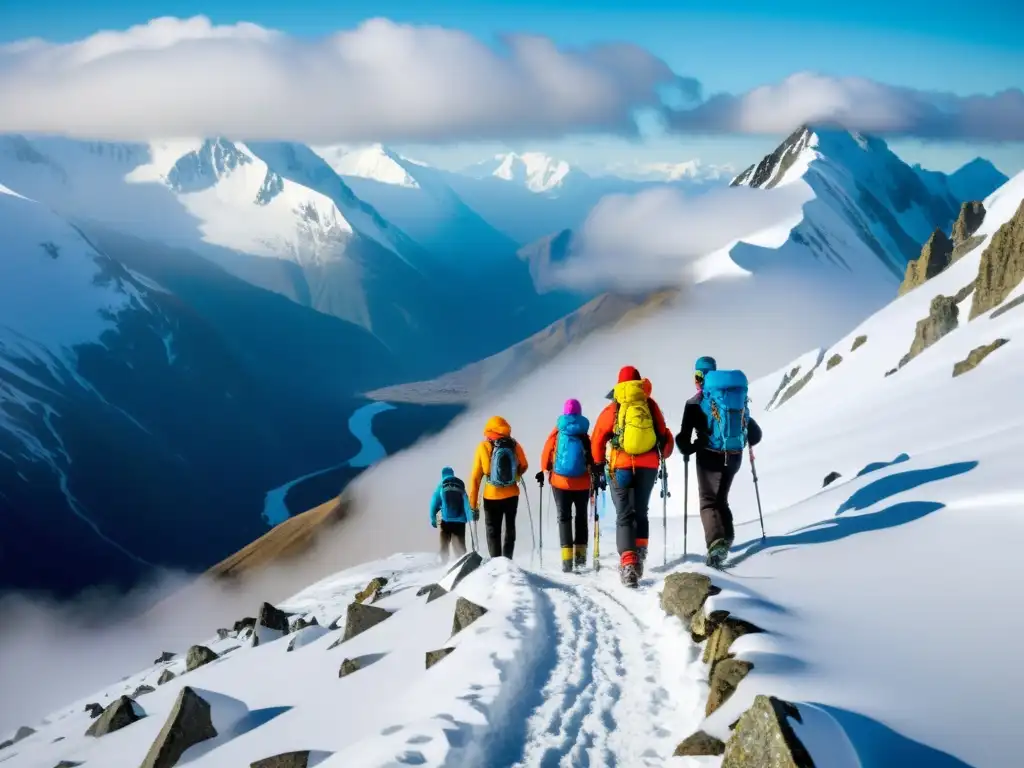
column 857, row 104
column 381, row 81
column 652, row 239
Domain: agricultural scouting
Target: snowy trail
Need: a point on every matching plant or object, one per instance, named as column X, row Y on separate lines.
column 602, row 698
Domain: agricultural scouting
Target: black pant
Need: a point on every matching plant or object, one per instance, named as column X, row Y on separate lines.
column 631, row 493
column 497, row 512
column 564, row 503
column 715, row 473
column 453, row 535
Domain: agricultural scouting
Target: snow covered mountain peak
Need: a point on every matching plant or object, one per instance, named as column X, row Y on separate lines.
column 375, row 162
column 694, row 170
column 535, row 170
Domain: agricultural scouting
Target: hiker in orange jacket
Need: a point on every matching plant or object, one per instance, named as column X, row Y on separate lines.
column 500, row 463
column 566, row 456
column 640, row 439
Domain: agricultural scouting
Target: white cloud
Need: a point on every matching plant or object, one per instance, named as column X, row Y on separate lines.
column 381, row 81
column 857, row 104
column 652, row 239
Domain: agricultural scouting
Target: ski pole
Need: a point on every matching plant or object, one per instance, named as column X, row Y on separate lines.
column 757, row 490
column 686, row 498
column 663, row 474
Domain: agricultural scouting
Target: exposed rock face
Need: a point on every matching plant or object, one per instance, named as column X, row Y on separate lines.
column 272, row 618
column 1002, row 265
column 703, row 624
column 804, row 380
column 302, row 622
column 242, row 624
column 1007, row 307
column 466, row 612
column 943, row 317
column 187, row 724
column 786, row 378
column 371, row 589
column 432, row 591
column 94, row 710
column 165, row 677
column 975, row 356
column 67, row 764
column 435, row 656
column 285, row 760
column 971, row 216
column 964, row 292
column 22, row 733
column 725, row 676
column 120, row 714
column 725, row 634
column 830, row 478
column 165, row 656
column 936, row 255
column 684, row 594
column 890, row 372
column 223, row 634
column 348, row 666
column 699, row 744
column 142, row 690
column 469, row 563
column 197, row 656
column 763, row 738
column 361, row 618
column 833, row 362
column 858, row 342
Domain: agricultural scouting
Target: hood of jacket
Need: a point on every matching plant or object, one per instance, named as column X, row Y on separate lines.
column 573, row 424
column 497, row 427
column 447, row 472
column 629, row 390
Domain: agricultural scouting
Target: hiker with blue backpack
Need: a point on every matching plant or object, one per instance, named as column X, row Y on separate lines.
column 498, row 465
column 450, row 511
column 717, row 428
column 568, row 460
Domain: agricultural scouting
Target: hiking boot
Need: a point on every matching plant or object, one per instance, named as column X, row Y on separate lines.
column 628, row 575
column 717, row 552
column 580, row 557
column 567, row 566
column 641, row 558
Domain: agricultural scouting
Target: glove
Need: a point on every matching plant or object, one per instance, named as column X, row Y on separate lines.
column 540, row 478
column 433, row 520
column 599, row 480
column 476, row 515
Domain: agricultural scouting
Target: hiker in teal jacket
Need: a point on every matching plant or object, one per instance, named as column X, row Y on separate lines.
column 450, row 512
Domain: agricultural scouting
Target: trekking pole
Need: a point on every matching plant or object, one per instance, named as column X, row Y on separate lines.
column 757, row 491
column 663, row 474
column 529, row 511
column 686, row 498
column 597, row 533
column 540, row 518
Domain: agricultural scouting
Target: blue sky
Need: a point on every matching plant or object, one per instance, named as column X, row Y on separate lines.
column 964, row 48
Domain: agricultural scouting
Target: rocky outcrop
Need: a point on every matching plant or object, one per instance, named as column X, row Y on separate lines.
column 964, row 292
column 890, row 372
column 165, row 677
column 936, row 255
column 975, row 356
column 725, row 633
column 830, row 478
column 243, row 624
column 860, row 341
column 197, row 656
column 435, row 656
column 466, row 612
column 725, row 677
column 469, row 563
column 833, row 361
column 684, row 595
column 22, row 733
column 432, row 591
column 803, row 382
column 272, row 618
column 164, row 657
column 348, row 666
column 284, row 760
column 302, row 622
column 360, row 618
column 972, row 214
column 94, row 709
column 188, row 723
column 142, row 690
column 786, row 379
column 370, row 590
column 1002, row 265
column 67, row 764
column 943, row 316
column 1007, row 307
column 120, row 714
column 699, row 744
column 763, row 738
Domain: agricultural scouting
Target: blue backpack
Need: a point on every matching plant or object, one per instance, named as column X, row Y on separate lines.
column 725, row 405
column 504, row 463
column 453, row 500
column 570, row 446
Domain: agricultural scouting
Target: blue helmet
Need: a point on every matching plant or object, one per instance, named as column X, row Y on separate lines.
column 705, row 364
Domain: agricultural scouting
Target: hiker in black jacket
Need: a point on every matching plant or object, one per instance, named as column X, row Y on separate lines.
column 715, row 470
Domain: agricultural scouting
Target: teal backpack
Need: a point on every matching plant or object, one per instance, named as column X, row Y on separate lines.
column 725, row 404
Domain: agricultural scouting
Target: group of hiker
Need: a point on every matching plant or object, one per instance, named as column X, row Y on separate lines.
column 625, row 455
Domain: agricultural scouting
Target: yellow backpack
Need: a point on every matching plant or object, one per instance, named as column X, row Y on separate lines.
column 634, row 423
